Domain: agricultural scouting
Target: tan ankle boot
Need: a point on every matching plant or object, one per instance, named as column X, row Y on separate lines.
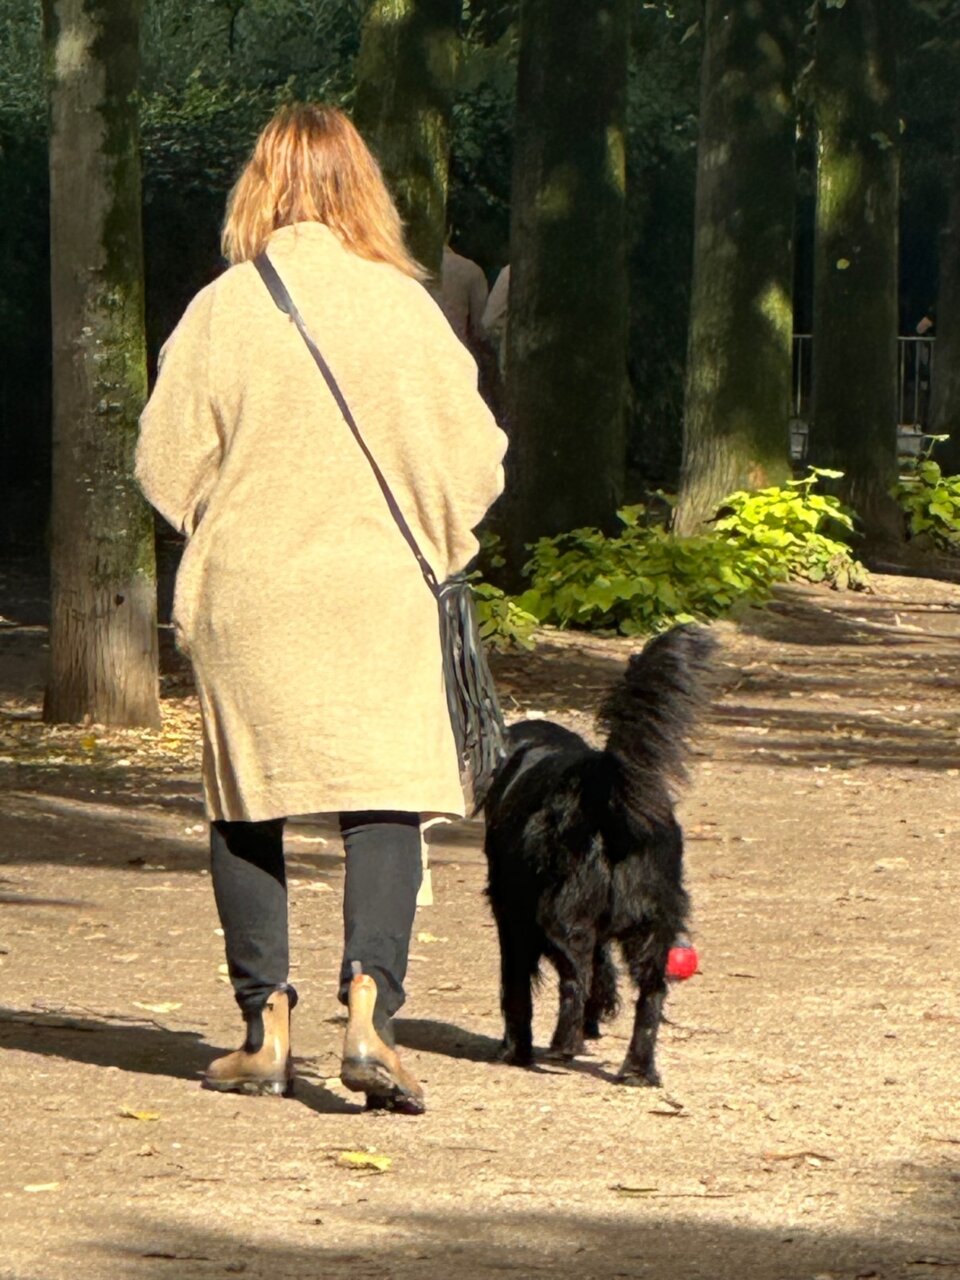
column 369, row 1065
column 268, row 1069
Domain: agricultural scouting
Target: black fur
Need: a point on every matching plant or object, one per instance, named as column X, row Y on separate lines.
column 583, row 849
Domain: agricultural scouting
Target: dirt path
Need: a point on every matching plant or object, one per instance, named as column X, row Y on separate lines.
column 810, row 1121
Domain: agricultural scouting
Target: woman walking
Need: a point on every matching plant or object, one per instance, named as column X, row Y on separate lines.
column 313, row 636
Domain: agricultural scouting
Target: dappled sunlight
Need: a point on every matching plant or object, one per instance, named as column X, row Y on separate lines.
column 616, row 159
column 776, row 306
column 839, row 187
column 555, row 199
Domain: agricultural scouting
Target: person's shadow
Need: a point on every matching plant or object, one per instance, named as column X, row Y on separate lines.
column 145, row 1048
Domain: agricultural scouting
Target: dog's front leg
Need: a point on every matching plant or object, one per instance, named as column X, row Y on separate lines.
column 647, row 965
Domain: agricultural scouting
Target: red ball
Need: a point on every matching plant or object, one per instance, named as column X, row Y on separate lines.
column 682, row 962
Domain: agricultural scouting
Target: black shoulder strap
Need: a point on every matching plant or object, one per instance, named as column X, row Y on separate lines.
column 278, row 291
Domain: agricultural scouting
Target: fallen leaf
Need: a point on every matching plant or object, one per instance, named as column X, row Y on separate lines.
column 364, row 1160
column 162, row 1006
column 797, row 1155
column 666, row 1107
column 41, row 1186
column 423, row 936
column 129, row 1113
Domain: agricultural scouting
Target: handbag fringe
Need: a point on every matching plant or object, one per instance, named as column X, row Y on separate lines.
column 472, row 701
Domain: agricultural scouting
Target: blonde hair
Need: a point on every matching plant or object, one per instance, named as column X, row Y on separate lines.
column 311, row 165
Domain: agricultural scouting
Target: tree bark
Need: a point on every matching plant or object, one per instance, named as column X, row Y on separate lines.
column 945, row 374
column 406, row 72
column 103, row 635
column 567, row 331
column 854, row 397
column 738, row 376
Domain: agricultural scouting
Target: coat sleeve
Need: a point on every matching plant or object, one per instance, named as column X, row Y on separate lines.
column 181, row 441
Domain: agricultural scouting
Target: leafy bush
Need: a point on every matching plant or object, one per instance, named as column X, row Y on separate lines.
column 643, row 580
column 504, row 624
column 930, row 502
column 647, row 578
column 806, row 531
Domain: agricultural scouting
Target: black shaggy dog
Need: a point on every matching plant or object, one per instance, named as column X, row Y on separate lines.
column 583, row 850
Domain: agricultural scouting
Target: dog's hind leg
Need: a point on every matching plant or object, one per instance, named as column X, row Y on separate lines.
column 573, row 958
column 519, row 960
column 602, row 1000
column 646, row 959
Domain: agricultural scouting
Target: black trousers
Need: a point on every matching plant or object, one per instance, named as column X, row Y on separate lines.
column 383, row 872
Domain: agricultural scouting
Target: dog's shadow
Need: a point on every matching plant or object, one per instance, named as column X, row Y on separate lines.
column 142, row 1048
column 451, row 1041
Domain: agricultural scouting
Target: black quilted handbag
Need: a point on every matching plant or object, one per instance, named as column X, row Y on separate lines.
column 475, row 714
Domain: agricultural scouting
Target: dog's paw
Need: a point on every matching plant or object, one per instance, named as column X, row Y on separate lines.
column 515, row 1055
column 639, row 1079
column 565, row 1052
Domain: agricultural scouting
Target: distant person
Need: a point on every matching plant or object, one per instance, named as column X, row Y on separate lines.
column 494, row 322
column 313, row 636
column 463, row 295
column 926, row 328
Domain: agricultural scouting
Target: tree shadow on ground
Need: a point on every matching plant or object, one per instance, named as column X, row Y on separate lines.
column 827, row 737
column 59, row 828
column 826, row 692
column 651, row 1237
column 145, row 1048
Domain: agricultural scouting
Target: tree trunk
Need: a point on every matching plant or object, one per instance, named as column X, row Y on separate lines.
column 738, row 377
column 854, row 400
column 567, row 331
column 945, row 374
column 103, row 634
column 406, row 73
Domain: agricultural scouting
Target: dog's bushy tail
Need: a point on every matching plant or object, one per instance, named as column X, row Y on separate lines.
column 650, row 713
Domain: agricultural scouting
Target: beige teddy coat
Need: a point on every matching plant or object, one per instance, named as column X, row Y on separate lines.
column 313, row 636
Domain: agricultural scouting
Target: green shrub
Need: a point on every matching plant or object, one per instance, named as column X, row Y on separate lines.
column 647, row 578
column 643, row 580
column 930, row 502
column 807, row 532
column 504, row 624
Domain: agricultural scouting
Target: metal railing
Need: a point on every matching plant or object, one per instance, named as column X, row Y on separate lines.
column 914, row 375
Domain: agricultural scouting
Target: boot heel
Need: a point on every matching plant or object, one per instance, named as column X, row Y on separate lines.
column 252, row 1088
column 264, row 1065
column 274, row 1089
column 370, row 1066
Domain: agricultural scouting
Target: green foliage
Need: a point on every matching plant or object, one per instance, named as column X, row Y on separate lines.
column 646, row 578
column 504, row 623
column 807, row 532
column 641, row 581
column 930, row 502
